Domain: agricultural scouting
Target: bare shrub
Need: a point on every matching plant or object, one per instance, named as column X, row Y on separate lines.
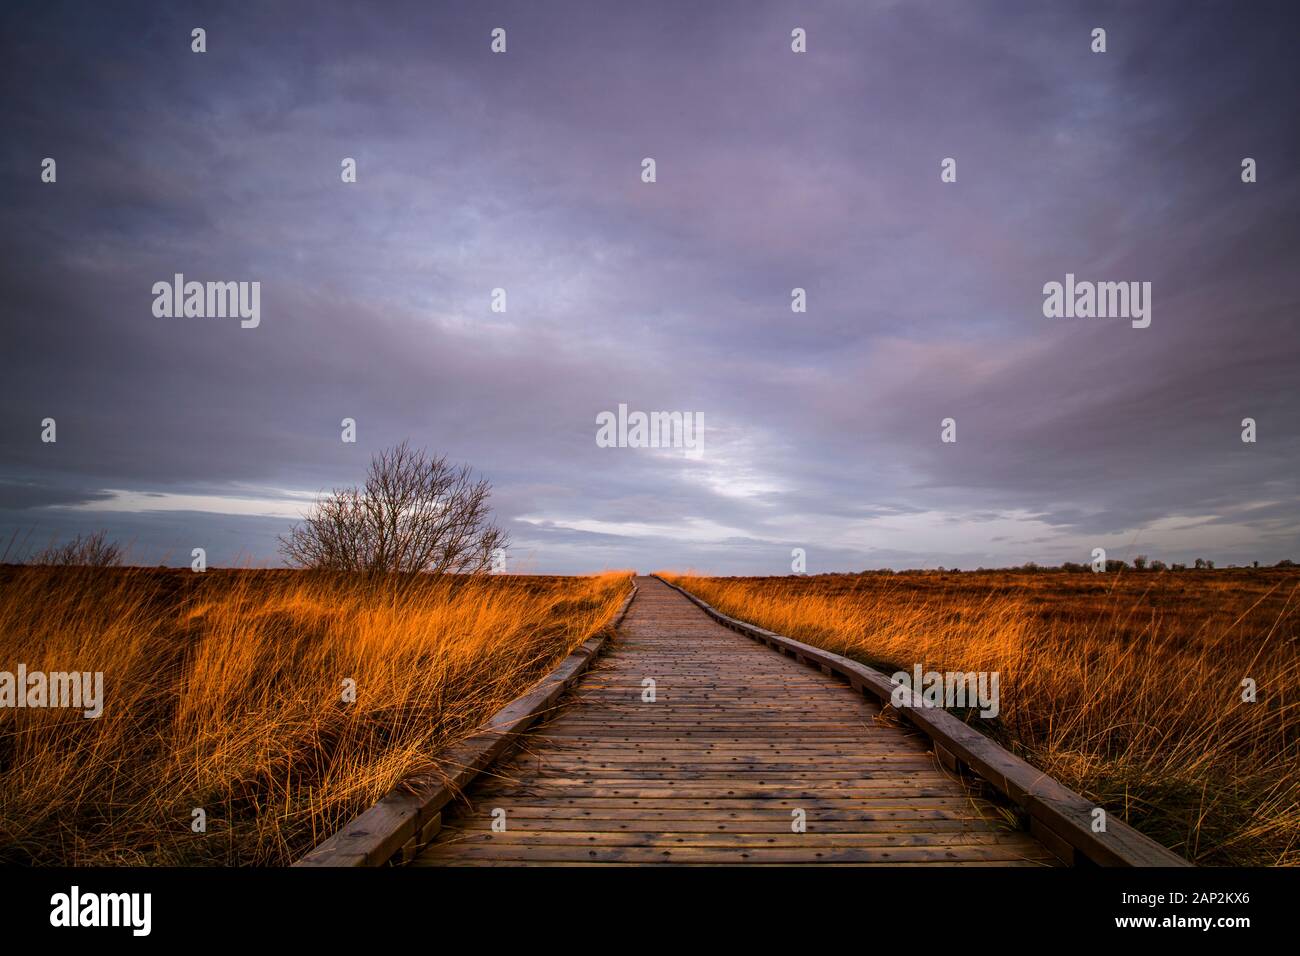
column 413, row 514
column 92, row 551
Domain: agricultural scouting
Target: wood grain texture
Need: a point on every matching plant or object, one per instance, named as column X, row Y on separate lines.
column 712, row 771
column 1058, row 816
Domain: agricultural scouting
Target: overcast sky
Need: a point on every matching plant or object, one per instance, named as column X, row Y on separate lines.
column 775, row 170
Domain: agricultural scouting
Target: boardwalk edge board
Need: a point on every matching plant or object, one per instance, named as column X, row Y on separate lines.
column 1059, row 817
column 407, row 818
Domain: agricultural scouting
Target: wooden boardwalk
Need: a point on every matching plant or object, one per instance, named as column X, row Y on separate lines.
column 739, row 743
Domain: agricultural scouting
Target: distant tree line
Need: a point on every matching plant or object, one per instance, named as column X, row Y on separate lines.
column 1141, row 563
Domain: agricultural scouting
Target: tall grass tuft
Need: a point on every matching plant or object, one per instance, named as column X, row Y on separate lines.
column 224, row 692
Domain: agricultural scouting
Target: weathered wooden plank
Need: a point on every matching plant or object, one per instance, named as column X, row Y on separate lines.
column 846, row 803
column 443, row 853
column 803, row 841
column 747, row 828
column 858, row 813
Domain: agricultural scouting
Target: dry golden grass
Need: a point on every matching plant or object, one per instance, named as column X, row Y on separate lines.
column 1126, row 687
column 224, row 691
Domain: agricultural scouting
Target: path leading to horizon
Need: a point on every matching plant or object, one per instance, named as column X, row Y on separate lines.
column 739, row 745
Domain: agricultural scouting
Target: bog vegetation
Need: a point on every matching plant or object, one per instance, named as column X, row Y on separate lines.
column 1126, row 687
column 226, row 700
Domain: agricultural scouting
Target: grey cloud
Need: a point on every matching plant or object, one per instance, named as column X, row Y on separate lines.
column 775, row 171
